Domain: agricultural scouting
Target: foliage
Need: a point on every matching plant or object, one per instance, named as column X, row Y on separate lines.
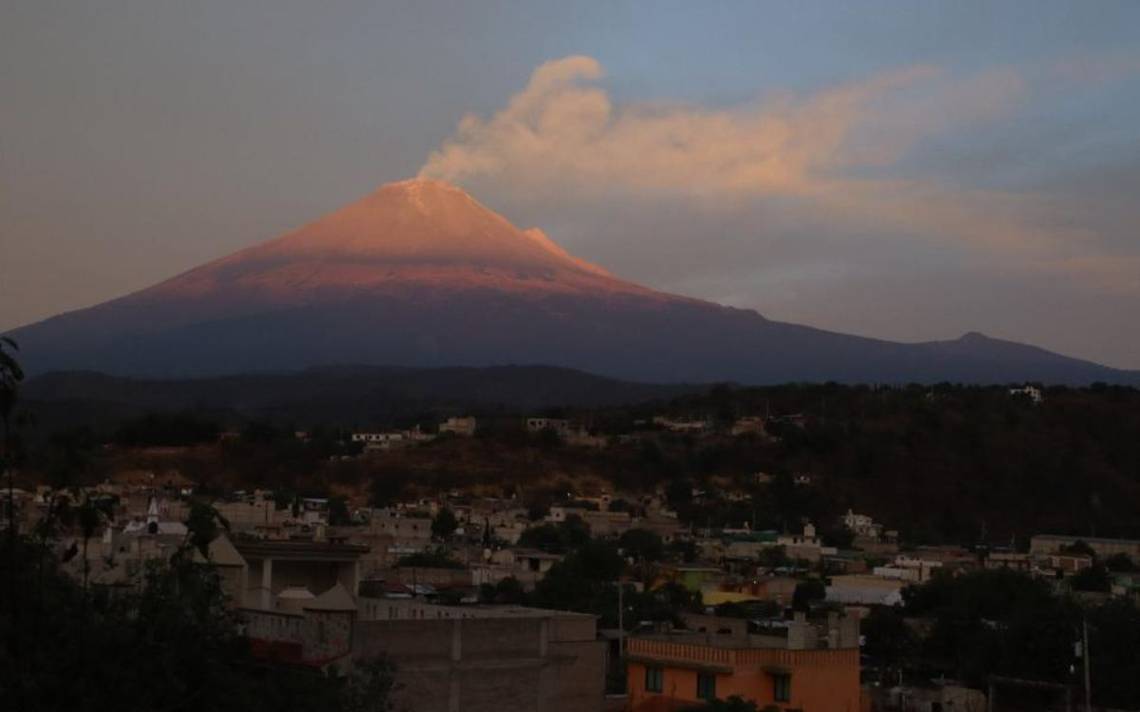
column 890, row 642
column 642, row 545
column 774, row 557
column 387, row 488
column 808, row 592
column 166, row 429
column 507, row 591
column 1094, row 579
column 444, row 524
column 1120, row 563
column 1007, row 623
column 750, row 609
column 168, row 645
column 580, row 581
column 557, row 538
column 439, row 558
column 339, row 515
column 369, row 687
column 203, row 525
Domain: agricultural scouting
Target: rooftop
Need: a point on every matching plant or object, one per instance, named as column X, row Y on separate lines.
column 299, row 550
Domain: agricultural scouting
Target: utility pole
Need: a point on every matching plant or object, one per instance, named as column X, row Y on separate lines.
column 621, row 620
column 1085, row 655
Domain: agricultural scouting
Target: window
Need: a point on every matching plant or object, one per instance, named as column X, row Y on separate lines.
column 706, row 686
column 782, row 688
column 654, row 679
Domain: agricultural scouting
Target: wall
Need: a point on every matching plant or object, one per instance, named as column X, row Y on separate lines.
column 489, row 664
column 822, row 680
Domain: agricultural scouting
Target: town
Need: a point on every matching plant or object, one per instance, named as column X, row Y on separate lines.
column 480, row 588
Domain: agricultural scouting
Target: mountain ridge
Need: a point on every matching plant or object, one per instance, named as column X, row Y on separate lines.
column 418, row 273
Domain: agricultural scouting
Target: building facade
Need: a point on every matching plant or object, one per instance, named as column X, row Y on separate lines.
column 803, row 671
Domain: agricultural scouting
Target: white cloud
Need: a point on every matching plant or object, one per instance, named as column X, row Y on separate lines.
column 727, row 202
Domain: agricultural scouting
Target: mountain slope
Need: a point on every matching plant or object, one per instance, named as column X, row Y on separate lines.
column 347, row 395
column 420, row 274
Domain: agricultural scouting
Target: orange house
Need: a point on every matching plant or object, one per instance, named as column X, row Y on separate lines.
column 802, row 672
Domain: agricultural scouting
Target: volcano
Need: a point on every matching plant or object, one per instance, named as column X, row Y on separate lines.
column 420, row 274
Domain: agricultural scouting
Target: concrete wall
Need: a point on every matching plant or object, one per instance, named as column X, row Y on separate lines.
column 821, row 680
column 489, row 664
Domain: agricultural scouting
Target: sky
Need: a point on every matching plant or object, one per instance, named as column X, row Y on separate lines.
column 904, row 170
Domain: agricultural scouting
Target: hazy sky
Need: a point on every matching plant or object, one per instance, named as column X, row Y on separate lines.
column 900, row 169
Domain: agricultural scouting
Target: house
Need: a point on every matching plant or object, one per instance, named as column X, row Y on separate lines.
column 777, row 589
column 463, row 427
column 863, row 590
column 308, row 630
column 694, row 578
column 389, row 535
column 1033, row 393
column 1008, row 560
column 607, row 523
column 391, row 439
column 273, row 566
column 680, row 426
column 934, row 696
column 804, row 666
column 537, row 425
column 580, row 437
column 806, row 546
column 908, row 568
column 526, row 565
column 862, row 525
column 1104, row 548
column 749, row 425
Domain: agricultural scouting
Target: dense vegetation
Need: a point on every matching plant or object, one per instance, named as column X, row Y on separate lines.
column 942, row 464
column 1007, row 623
column 169, row 645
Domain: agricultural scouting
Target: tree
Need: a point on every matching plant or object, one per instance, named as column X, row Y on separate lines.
column 890, row 641
column 642, row 544
column 169, row 644
column 507, row 591
column 444, row 524
column 203, row 525
column 11, row 374
column 90, row 515
column 557, row 538
column 808, row 592
column 840, row 537
column 435, row 559
column 1094, row 578
column 1120, row 563
column 369, row 687
column 774, row 557
column 338, row 512
column 387, row 488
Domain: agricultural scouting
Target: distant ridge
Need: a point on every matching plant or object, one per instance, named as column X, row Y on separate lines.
column 420, row 274
column 340, row 394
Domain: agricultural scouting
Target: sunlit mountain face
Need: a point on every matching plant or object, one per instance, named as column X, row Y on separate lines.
column 420, row 274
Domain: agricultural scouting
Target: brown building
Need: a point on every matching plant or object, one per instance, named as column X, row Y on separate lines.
column 484, row 658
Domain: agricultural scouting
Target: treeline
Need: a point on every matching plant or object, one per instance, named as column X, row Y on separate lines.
column 1006, row 623
column 168, row 644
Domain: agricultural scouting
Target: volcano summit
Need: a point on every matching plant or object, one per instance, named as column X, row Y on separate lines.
column 420, row 274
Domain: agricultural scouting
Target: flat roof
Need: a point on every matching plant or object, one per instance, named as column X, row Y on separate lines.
column 719, row 640
column 301, row 550
column 1087, row 539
